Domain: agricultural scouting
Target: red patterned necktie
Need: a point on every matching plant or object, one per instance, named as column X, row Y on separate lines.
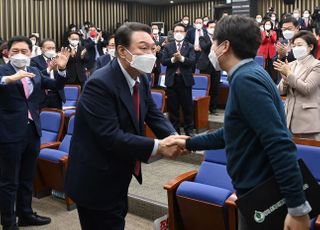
column 136, row 102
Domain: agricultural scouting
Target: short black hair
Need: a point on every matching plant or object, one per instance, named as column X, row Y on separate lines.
column 198, row 18
column 268, row 20
column 184, row 16
column 290, row 19
column 45, row 40
column 73, row 32
column 34, row 36
column 211, row 22
column 243, row 33
column 309, row 38
column 179, row 24
column 16, row 39
column 124, row 32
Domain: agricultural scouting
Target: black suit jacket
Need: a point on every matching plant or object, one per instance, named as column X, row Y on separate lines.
column 191, row 35
column 103, row 61
column 107, row 139
column 40, row 63
column 14, row 105
column 76, row 67
column 91, row 51
column 185, row 67
column 204, row 62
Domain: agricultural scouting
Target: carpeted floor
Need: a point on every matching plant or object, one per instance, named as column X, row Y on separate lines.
column 68, row 220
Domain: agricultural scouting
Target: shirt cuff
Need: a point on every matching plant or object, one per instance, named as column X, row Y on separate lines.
column 300, row 210
column 182, row 59
column 155, row 147
column 48, row 71
column 3, row 80
column 172, row 60
column 62, row 73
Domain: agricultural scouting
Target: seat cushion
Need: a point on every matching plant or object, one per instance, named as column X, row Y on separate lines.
column 216, row 156
column 203, row 192
column 52, row 154
column 68, row 112
column 311, row 156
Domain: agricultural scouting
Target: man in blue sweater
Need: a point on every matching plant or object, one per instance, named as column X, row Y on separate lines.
column 255, row 136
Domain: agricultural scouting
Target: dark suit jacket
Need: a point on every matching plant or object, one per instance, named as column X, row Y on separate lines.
column 40, row 63
column 103, row 61
column 191, row 35
column 14, row 106
column 107, row 139
column 185, row 67
column 76, row 67
column 204, row 62
column 91, row 51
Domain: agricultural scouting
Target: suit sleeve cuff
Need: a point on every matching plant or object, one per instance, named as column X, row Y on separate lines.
column 62, row 73
column 155, row 147
column 300, row 210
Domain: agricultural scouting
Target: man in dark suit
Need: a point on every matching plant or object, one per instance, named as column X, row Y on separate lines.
column 159, row 43
column 193, row 36
column 179, row 58
column 109, row 54
column 108, row 144
column 48, row 67
column 76, row 67
column 93, row 45
column 20, row 131
column 206, row 67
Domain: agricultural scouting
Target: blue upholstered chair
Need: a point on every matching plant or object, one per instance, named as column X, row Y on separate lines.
column 197, row 200
column 72, row 93
column 52, row 165
column 52, row 122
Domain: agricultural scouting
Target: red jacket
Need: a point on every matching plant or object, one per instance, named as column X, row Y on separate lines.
column 268, row 45
column 318, row 50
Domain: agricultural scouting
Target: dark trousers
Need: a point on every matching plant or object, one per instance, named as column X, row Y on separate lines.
column 112, row 219
column 214, row 88
column 242, row 225
column 269, row 68
column 53, row 100
column 17, row 166
column 180, row 95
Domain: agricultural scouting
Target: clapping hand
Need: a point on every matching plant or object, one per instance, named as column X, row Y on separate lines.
column 282, row 49
column 62, row 58
column 168, row 147
column 283, row 68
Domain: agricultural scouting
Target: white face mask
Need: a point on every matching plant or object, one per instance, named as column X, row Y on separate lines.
column 259, row 20
column 178, row 37
column 288, row 34
column 20, row 60
column 143, row 63
column 155, row 31
column 186, row 22
column 198, row 26
column 306, row 15
column 50, row 54
column 74, row 43
column 210, row 31
column 214, row 59
column 299, row 52
column 273, row 18
column 296, row 15
column 112, row 52
column 267, row 27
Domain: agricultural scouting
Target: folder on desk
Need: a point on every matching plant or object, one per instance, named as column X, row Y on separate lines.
column 263, row 207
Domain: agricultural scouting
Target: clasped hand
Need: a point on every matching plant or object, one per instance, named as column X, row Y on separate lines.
column 173, row 146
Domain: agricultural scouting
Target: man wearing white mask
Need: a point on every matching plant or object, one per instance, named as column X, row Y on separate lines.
column 109, row 53
column 76, row 67
column 20, row 92
column 108, row 142
column 193, row 36
column 179, row 57
column 48, row 66
column 290, row 27
column 186, row 22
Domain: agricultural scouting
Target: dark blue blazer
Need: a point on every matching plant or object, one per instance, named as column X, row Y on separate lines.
column 191, row 35
column 185, row 67
column 40, row 63
column 107, row 139
column 91, row 51
column 103, row 61
column 14, row 105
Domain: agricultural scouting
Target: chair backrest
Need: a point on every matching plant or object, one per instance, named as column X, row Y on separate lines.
column 52, row 122
column 311, row 156
column 259, row 60
column 65, row 144
column 158, row 98
column 201, row 85
column 213, row 170
column 72, row 93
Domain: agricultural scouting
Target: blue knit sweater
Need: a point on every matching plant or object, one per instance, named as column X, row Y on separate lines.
column 257, row 141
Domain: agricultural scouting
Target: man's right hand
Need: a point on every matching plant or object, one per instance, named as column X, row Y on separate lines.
column 172, row 151
column 18, row 76
column 281, row 49
column 297, row 222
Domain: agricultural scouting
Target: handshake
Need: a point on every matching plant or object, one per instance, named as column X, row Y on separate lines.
column 173, row 146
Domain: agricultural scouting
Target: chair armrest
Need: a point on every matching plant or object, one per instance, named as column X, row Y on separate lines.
column 174, row 183
column 232, row 211
column 317, row 223
column 68, row 107
column 50, row 145
column 201, row 112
